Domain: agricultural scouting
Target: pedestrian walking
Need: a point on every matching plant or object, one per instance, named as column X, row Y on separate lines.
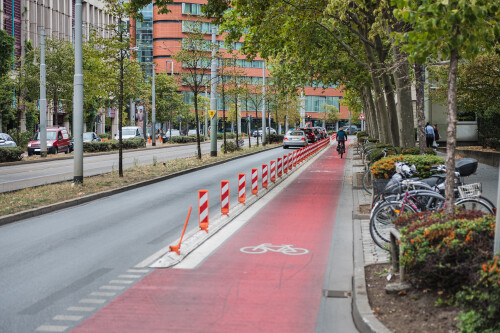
column 429, row 135
column 436, row 136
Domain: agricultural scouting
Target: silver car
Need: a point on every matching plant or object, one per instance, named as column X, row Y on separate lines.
column 6, row 141
column 294, row 138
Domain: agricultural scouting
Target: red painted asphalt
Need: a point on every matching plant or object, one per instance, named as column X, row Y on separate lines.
column 233, row 291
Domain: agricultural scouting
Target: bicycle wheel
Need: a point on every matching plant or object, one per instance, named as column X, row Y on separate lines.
column 367, row 181
column 426, row 200
column 475, row 204
column 382, row 220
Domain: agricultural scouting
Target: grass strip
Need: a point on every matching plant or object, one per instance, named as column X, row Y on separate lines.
column 39, row 196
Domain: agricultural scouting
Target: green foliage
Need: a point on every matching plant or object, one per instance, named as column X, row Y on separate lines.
column 444, row 251
column 229, row 135
column 6, row 49
column 183, row 139
column 361, row 134
column 230, row 147
column 11, row 154
column 21, row 138
column 385, row 167
column 275, row 138
column 481, row 300
column 105, row 136
column 416, row 151
column 134, row 143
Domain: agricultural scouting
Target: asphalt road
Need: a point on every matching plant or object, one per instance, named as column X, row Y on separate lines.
column 78, row 259
column 20, row 176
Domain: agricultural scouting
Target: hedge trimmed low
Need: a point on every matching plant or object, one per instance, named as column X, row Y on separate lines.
column 92, row 147
column 11, row 154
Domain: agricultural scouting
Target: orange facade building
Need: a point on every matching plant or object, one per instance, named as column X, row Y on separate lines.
column 159, row 37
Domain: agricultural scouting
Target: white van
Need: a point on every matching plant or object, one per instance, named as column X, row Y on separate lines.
column 130, row 132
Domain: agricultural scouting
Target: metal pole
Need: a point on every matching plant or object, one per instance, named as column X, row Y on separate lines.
column 496, row 247
column 213, row 97
column 131, row 113
column 43, row 97
column 302, row 109
column 205, row 130
column 78, row 98
column 153, row 111
column 264, row 141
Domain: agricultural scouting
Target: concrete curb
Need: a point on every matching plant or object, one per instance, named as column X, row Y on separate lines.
column 78, row 201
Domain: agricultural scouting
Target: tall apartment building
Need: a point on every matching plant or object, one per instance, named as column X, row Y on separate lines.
column 24, row 19
column 159, row 37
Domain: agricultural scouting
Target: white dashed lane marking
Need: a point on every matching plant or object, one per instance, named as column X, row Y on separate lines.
column 81, row 308
column 121, row 281
column 92, row 301
column 129, row 276
column 51, row 328
column 112, row 287
column 66, row 317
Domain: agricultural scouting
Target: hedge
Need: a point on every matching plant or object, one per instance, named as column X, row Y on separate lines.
column 12, row 154
column 92, row 147
column 386, row 167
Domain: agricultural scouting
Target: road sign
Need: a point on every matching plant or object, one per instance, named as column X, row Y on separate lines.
column 211, row 113
column 361, row 116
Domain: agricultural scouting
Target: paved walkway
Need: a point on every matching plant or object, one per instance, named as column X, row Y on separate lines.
column 269, row 277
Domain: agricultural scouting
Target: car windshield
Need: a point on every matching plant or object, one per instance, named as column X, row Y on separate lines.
column 51, row 135
column 87, row 136
column 128, row 131
column 296, row 133
column 5, row 137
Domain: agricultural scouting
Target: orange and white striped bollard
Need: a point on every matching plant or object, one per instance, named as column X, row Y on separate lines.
column 203, row 209
column 272, row 169
column 264, row 175
column 279, row 167
column 255, row 181
column 242, row 188
column 285, row 164
column 224, row 197
column 290, row 161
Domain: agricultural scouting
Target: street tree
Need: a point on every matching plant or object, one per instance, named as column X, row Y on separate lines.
column 195, row 56
column 6, row 88
column 169, row 103
column 449, row 30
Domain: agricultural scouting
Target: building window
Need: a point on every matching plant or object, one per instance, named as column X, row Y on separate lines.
column 192, row 26
column 315, row 103
column 191, row 9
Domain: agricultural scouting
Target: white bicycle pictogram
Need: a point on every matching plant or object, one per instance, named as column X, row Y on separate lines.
column 285, row 249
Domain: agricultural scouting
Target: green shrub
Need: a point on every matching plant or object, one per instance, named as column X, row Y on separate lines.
column 22, row 138
column 11, row 154
column 416, row 151
column 361, row 134
column 275, row 138
column 229, row 135
column 445, row 252
column 230, row 147
column 481, row 301
column 386, row 167
column 371, row 139
column 92, row 147
column 105, row 136
column 183, row 139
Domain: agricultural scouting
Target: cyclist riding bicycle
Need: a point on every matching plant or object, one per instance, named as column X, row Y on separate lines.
column 341, row 138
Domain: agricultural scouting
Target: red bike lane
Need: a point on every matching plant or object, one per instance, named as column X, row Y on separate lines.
column 234, row 291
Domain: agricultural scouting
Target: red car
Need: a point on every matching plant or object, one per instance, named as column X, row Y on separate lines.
column 311, row 136
column 57, row 141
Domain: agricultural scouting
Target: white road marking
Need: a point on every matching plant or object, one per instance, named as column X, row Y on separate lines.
column 92, row 300
column 65, row 317
column 138, row 270
column 52, row 328
column 81, row 308
column 129, row 276
column 121, row 281
column 103, row 294
column 112, row 287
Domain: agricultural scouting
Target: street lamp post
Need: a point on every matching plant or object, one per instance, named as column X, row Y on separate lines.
column 264, row 141
column 78, row 98
column 43, row 97
column 153, row 111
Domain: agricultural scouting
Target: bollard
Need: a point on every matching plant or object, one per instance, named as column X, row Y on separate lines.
column 273, row 170
column 264, row 175
column 224, row 197
column 285, row 164
column 203, row 209
column 279, row 167
column 294, row 156
column 176, row 248
column 255, row 181
column 241, row 188
column 290, row 161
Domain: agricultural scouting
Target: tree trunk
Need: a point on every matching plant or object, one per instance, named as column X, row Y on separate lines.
column 380, row 105
column 451, row 133
column 419, row 87
column 120, row 106
column 236, row 108
column 224, row 117
column 370, row 113
column 403, row 94
column 197, row 122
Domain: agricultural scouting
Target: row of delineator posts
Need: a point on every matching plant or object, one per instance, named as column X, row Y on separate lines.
column 276, row 170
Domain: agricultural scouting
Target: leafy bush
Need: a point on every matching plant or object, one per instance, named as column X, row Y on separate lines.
column 22, row 138
column 183, row 139
column 275, row 138
column 92, row 147
column 105, row 136
column 372, row 139
column 230, row 147
column 361, row 134
column 11, row 154
column 416, row 151
column 386, row 167
column 442, row 251
column 481, row 301
column 229, row 135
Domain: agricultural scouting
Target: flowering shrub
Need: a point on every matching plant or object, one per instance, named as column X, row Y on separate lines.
column 445, row 252
column 386, row 167
column 481, row 302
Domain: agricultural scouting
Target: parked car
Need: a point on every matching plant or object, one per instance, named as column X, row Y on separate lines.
column 57, row 141
column 6, row 141
column 353, row 129
column 259, row 131
column 294, row 138
column 311, row 136
column 130, row 132
column 166, row 135
column 91, row 137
